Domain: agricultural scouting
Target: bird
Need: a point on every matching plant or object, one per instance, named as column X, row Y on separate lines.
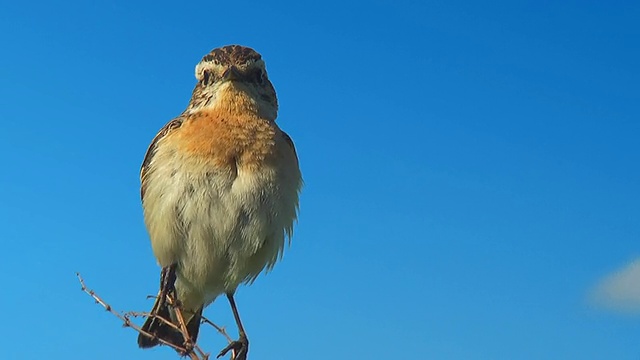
column 220, row 187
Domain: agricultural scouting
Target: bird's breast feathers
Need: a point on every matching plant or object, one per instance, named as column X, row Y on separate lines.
column 220, row 193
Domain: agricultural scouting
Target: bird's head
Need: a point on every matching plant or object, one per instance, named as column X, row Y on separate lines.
column 234, row 77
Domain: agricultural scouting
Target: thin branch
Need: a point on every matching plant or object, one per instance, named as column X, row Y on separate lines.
column 137, row 314
column 198, row 354
column 150, row 315
column 183, row 329
column 221, row 330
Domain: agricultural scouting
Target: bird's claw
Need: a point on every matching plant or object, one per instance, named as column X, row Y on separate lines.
column 240, row 349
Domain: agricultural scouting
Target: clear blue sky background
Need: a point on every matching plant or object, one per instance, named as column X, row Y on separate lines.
column 471, row 172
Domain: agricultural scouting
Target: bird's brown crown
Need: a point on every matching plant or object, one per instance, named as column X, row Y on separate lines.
column 232, row 55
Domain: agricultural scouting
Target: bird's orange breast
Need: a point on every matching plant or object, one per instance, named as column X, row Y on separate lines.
column 226, row 139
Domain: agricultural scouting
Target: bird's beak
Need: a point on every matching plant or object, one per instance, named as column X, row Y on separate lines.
column 232, row 73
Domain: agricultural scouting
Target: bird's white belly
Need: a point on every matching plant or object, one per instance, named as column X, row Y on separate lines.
column 221, row 229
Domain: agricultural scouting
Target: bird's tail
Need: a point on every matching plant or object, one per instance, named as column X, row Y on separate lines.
column 159, row 329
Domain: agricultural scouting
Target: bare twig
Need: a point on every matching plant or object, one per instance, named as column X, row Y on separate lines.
column 203, row 320
column 192, row 350
column 221, row 330
column 146, row 315
column 183, row 329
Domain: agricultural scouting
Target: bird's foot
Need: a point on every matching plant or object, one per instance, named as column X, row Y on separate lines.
column 240, row 349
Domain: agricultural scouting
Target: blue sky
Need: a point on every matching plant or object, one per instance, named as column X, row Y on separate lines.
column 471, row 175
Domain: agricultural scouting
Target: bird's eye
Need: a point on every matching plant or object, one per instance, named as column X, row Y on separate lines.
column 207, row 77
column 259, row 74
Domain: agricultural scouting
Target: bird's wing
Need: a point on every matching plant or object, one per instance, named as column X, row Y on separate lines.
column 289, row 141
column 168, row 128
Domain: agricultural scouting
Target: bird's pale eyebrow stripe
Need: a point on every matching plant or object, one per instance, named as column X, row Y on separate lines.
column 148, row 156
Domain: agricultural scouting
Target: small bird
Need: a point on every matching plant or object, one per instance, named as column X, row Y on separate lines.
column 219, row 187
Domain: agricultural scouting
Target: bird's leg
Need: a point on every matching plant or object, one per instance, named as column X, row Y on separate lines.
column 168, row 281
column 240, row 347
column 158, row 326
column 169, row 293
